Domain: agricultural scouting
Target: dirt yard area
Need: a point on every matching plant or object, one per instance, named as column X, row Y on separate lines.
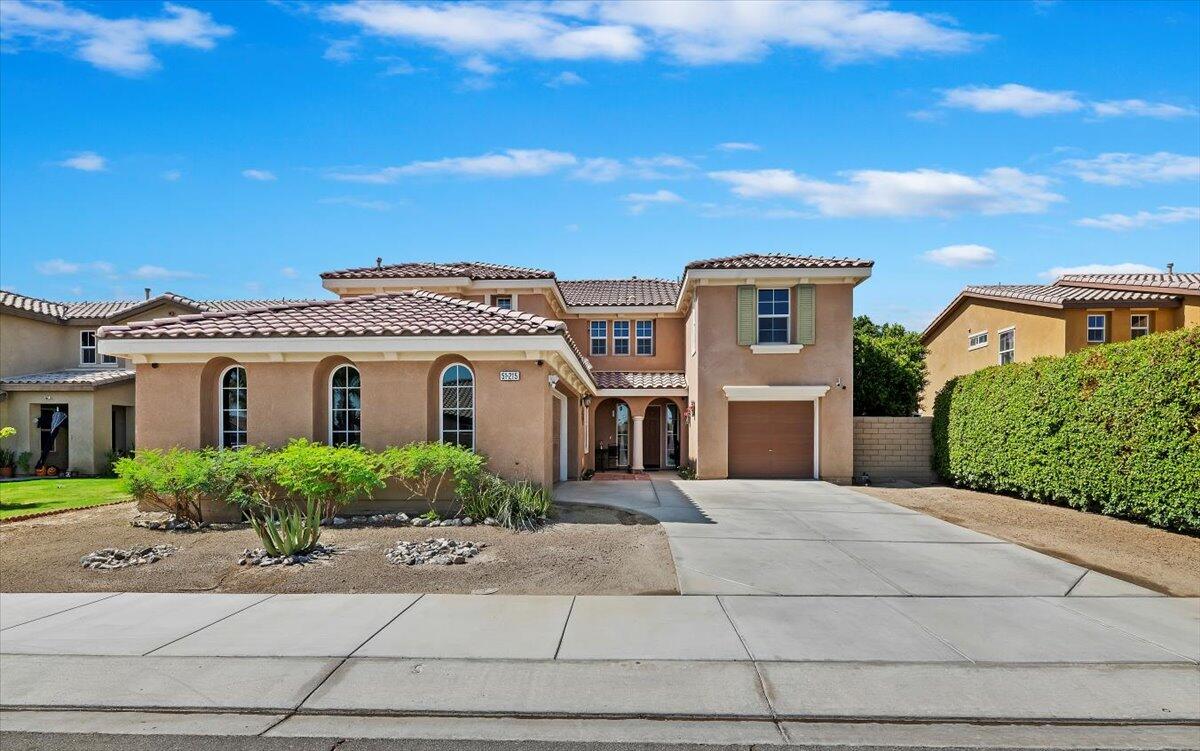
column 1154, row 558
column 585, row 550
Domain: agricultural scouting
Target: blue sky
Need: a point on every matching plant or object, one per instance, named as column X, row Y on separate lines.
column 238, row 149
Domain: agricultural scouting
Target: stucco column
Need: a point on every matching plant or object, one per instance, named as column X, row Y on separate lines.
column 635, row 461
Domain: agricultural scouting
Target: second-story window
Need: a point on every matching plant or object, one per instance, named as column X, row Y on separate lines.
column 645, row 337
column 87, row 351
column 620, row 337
column 773, row 316
column 1096, row 329
column 977, row 340
column 503, row 301
column 598, row 332
column 1139, row 325
column 1008, row 346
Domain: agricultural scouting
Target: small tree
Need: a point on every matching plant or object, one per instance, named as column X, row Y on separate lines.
column 331, row 476
column 423, row 468
column 889, row 369
column 176, row 480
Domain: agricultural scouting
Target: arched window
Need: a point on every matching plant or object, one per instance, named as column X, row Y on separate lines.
column 233, row 407
column 345, row 407
column 458, row 406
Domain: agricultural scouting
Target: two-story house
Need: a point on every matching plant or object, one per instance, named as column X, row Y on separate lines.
column 741, row 368
column 1003, row 323
column 50, row 365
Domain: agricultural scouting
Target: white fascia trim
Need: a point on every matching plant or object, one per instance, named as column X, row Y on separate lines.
column 601, row 393
column 774, row 393
column 776, row 349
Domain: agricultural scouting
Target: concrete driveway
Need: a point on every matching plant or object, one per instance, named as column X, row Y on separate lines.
column 782, row 537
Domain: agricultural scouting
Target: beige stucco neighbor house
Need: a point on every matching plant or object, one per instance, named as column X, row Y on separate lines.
column 49, row 363
column 997, row 324
column 742, row 368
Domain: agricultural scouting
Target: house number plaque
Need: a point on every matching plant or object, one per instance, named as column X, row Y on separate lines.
column 510, row 375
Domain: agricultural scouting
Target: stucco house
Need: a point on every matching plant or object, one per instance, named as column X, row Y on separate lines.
column 741, row 368
column 998, row 324
column 49, row 363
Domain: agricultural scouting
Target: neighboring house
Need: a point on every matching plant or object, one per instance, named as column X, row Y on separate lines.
column 998, row 324
column 743, row 368
column 49, row 363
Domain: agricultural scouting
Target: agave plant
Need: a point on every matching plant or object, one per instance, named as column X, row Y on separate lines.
column 288, row 531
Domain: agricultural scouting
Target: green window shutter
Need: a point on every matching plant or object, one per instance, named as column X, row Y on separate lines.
column 747, row 330
column 806, row 314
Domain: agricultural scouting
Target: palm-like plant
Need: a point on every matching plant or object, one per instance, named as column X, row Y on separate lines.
column 288, row 531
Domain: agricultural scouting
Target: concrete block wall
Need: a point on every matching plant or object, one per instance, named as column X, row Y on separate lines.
column 893, row 448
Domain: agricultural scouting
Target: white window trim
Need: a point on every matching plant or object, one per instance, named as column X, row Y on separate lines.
column 972, row 334
column 102, row 360
column 442, row 403
column 775, row 349
column 628, row 338
column 593, row 338
column 759, row 316
column 491, row 299
column 221, row 407
column 1088, row 328
column 999, row 344
column 359, row 410
column 1145, row 329
column 563, row 454
column 637, row 338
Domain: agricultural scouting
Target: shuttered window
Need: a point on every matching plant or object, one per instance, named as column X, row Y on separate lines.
column 746, row 305
column 806, row 314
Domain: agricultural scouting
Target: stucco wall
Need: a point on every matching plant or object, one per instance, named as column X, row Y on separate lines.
column 668, row 343
column 894, row 448
column 89, row 423
column 33, row 346
column 723, row 362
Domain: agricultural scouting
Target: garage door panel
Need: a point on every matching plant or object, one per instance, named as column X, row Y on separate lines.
column 771, row 439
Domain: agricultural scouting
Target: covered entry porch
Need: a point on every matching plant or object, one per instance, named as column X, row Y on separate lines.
column 639, row 425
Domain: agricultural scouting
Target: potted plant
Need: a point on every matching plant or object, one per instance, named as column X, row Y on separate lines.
column 7, row 463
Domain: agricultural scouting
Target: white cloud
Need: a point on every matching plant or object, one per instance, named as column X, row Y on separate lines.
column 1123, row 222
column 1140, row 108
column 87, row 161
column 638, row 202
column 341, row 50
column 743, row 211
column 358, row 203
column 172, row 175
column 1134, row 169
column 396, row 66
column 60, row 267
column 148, row 271
column 479, row 65
column 1100, row 268
column 961, row 256
column 120, row 45
column 692, row 32
column 289, row 272
column 922, row 192
column 261, row 175
column 566, row 78
column 512, row 163
column 1011, row 97
column 737, row 146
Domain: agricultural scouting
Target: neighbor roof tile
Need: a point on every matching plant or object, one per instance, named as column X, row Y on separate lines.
column 1061, row 295
column 779, row 261
column 1182, row 283
column 418, row 270
column 593, row 292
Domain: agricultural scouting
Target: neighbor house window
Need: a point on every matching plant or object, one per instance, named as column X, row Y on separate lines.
column 345, row 407
column 975, row 341
column 773, row 316
column 599, row 337
column 1095, row 329
column 620, row 337
column 87, row 350
column 645, row 337
column 233, row 407
column 1139, row 325
column 1008, row 346
column 458, row 406
column 503, row 301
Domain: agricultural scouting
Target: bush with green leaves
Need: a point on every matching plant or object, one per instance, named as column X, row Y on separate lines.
column 516, row 505
column 289, row 530
column 889, row 369
column 176, row 480
column 422, row 469
column 1113, row 429
column 332, row 476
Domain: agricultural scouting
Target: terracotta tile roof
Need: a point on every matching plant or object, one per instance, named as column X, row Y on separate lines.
column 1185, row 283
column 25, row 303
column 592, row 292
column 1065, row 296
column 620, row 379
column 101, row 309
column 418, row 270
column 71, row 377
column 779, row 261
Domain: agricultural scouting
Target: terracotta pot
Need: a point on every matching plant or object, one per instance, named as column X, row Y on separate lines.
column 6, row 471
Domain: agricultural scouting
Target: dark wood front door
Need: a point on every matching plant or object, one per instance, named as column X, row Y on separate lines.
column 652, row 438
column 771, row 440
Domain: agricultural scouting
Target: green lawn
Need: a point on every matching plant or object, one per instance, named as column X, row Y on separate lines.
column 34, row 496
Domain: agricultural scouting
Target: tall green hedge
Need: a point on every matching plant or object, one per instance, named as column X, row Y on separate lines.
column 1113, row 429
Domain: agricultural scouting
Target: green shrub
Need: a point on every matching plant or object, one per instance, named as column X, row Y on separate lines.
column 1113, row 429
column 889, row 369
column 516, row 505
column 288, row 531
column 687, row 472
column 332, row 476
column 175, row 480
column 423, row 468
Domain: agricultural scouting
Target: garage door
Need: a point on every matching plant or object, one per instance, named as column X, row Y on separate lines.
column 771, row 439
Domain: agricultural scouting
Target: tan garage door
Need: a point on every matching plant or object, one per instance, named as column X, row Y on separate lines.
column 771, row 439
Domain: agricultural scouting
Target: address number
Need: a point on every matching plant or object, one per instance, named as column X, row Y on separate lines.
column 510, row 375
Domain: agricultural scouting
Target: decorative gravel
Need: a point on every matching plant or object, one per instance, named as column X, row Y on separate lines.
column 259, row 557
column 111, row 558
column 436, row 550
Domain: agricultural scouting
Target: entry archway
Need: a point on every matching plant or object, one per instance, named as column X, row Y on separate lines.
column 613, row 426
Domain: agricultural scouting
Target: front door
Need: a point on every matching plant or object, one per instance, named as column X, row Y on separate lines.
column 652, row 438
